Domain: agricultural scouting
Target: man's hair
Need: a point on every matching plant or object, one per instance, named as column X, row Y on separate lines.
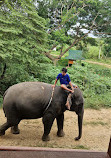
column 64, row 69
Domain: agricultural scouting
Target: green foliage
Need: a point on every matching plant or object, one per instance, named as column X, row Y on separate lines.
column 21, row 30
column 23, row 38
column 93, row 52
column 69, row 20
column 107, row 47
column 95, row 83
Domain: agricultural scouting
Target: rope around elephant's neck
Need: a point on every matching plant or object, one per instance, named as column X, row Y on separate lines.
column 50, row 100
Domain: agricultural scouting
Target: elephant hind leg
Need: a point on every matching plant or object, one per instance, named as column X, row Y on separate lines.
column 7, row 125
column 15, row 130
column 3, row 128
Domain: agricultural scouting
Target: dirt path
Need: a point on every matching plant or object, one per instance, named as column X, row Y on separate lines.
column 96, row 132
column 103, row 64
column 93, row 62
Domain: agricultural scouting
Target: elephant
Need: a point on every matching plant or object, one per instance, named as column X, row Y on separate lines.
column 29, row 100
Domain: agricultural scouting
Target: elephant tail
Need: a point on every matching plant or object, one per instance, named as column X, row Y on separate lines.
column 3, row 99
column 5, row 94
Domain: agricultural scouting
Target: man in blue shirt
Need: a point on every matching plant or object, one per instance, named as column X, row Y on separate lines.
column 65, row 81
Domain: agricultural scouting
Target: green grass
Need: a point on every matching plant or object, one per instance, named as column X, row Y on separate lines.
column 54, row 145
column 95, row 123
column 81, row 147
column 98, row 101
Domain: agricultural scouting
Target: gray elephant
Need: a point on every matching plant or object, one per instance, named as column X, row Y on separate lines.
column 29, row 100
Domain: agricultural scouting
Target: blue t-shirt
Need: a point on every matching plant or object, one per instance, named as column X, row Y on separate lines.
column 63, row 79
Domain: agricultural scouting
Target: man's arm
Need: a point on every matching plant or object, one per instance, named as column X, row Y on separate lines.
column 55, row 83
column 58, row 76
column 72, row 86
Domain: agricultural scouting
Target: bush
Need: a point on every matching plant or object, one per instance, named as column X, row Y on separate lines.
column 96, row 87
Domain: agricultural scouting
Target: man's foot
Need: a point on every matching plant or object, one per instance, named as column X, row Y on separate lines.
column 68, row 105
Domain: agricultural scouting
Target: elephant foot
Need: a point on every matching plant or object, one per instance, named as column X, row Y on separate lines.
column 60, row 133
column 77, row 138
column 2, row 133
column 45, row 137
column 15, row 131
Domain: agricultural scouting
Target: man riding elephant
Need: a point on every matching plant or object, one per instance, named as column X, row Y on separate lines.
column 29, row 100
column 65, row 81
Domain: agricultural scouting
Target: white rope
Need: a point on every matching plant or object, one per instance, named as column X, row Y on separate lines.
column 50, row 100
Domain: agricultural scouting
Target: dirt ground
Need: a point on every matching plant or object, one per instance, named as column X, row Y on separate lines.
column 96, row 132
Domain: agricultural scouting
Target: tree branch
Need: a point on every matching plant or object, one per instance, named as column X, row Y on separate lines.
column 47, row 54
column 77, row 40
column 74, row 42
column 61, row 25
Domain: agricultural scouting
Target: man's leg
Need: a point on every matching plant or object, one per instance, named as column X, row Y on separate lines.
column 64, row 87
column 68, row 103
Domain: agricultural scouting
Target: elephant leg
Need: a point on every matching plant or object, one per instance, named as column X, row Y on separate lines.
column 60, row 123
column 48, row 120
column 80, row 120
column 3, row 128
column 15, row 130
column 8, row 124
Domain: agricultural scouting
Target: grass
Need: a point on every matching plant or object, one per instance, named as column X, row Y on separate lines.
column 95, row 123
column 81, row 147
column 54, row 145
column 98, row 101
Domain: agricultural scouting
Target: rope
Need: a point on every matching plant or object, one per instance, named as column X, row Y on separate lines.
column 50, row 100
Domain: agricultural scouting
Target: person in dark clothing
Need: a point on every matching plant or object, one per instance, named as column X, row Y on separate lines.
column 65, row 81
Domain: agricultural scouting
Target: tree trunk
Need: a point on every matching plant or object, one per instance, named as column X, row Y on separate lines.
column 4, row 70
column 99, row 52
column 55, row 62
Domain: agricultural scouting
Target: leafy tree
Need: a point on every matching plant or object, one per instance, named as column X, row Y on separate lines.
column 23, row 38
column 104, row 27
column 70, row 21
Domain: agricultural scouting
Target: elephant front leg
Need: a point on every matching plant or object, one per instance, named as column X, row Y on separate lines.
column 60, row 123
column 80, row 120
column 48, row 120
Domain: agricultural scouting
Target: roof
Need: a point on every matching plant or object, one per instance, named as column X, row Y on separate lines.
column 75, row 55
